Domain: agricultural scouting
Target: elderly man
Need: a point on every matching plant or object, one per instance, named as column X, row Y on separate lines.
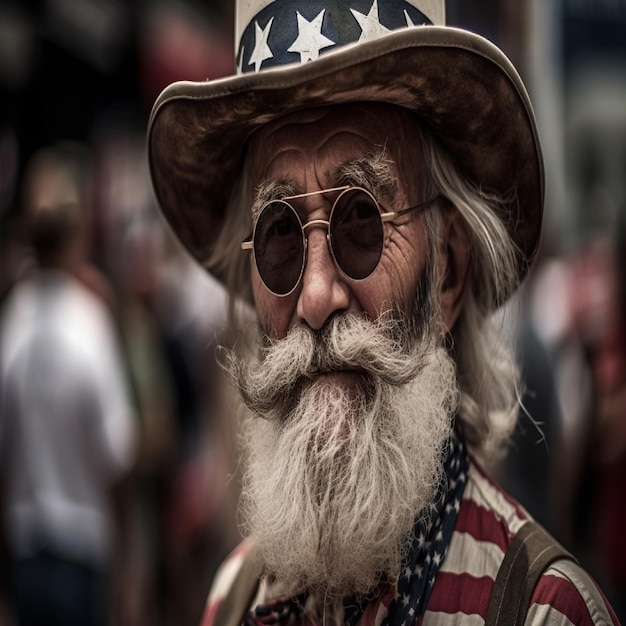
column 384, row 175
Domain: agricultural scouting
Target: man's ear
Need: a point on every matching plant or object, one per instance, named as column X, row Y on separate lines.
column 455, row 257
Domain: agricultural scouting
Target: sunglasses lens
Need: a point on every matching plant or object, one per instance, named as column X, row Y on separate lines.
column 356, row 233
column 279, row 247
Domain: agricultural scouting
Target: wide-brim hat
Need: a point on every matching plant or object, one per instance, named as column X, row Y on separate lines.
column 311, row 53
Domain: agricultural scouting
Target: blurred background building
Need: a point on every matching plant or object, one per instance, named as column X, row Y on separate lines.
column 81, row 76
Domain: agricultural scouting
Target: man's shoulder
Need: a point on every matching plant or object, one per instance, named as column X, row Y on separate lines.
column 225, row 578
column 487, row 521
column 566, row 594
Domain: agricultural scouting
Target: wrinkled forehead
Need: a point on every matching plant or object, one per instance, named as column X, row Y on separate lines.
column 324, row 138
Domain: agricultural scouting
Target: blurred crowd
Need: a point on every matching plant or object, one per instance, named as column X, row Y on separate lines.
column 567, row 460
column 117, row 462
column 117, row 472
column 116, row 437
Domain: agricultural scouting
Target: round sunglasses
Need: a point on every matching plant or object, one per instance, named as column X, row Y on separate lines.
column 355, row 234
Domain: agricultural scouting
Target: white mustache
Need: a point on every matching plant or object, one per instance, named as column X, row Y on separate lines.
column 378, row 350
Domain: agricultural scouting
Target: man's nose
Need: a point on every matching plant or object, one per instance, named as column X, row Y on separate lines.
column 324, row 291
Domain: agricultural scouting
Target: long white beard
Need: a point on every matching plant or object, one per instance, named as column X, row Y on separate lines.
column 337, row 474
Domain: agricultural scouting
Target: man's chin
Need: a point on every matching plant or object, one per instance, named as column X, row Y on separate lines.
column 348, row 392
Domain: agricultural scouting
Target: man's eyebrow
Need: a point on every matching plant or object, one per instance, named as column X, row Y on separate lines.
column 373, row 173
column 271, row 190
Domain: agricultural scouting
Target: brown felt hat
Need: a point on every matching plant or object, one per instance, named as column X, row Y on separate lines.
column 310, row 53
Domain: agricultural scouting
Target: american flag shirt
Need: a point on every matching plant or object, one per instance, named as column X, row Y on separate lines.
column 456, row 589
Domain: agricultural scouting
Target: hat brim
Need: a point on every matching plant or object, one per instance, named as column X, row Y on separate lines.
column 458, row 83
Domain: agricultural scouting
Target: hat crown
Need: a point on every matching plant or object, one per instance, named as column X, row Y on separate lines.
column 282, row 32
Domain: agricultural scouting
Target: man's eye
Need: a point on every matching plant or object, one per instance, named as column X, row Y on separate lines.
column 365, row 210
column 282, row 228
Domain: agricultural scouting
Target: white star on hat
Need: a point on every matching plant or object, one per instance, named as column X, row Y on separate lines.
column 261, row 50
column 310, row 39
column 371, row 28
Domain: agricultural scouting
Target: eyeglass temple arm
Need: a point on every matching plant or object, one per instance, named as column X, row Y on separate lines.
column 392, row 215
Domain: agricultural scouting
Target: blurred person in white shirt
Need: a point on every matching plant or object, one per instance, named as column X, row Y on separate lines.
column 67, row 439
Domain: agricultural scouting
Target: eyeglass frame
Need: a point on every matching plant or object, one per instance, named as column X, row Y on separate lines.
column 385, row 217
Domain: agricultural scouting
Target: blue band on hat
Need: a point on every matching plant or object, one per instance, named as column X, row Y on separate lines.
column 287, row 32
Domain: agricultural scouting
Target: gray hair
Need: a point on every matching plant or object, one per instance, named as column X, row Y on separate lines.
column 487, row 374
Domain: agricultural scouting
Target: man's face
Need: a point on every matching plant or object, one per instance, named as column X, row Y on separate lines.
column 319, row 149
column 351, row 397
